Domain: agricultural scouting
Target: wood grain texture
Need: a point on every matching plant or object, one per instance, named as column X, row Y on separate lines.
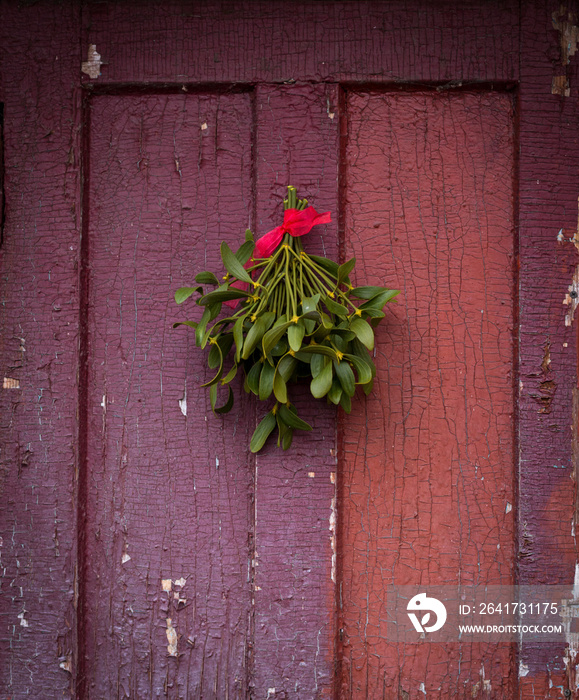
column 428, row 459
column 548, row 192
column 277, row 41
column 39, row 318
column 295, row 491
column 168, row 494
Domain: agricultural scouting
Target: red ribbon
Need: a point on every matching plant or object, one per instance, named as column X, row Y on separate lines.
column 296, row 223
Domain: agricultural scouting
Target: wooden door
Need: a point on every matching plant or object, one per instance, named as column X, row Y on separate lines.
column 144, row 552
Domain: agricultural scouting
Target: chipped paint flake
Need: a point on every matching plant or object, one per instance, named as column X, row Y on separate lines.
column 125, row 558
column 66, row 663
column 509, row 507
column 171, row 638
column 311, row 474
column 560, row 86
column 92, row 66
column 204, row 126
column 422, row 688
column 572, row 296
column 565, row 23
column 333, row 537
column 10, row 383
column 332, row 477
column 23, row 621
column 523, row 669
column 166, row 584
column 183, row 403
column 180, row 581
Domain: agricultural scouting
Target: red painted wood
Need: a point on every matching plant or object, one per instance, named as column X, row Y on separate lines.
column 295, row 491
column 168, row 494
column 39, row 312
column 428, row 460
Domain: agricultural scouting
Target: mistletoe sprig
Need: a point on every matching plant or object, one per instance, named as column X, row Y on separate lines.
column 299, row 317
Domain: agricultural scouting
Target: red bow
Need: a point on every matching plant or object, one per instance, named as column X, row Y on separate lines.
column 296, row 223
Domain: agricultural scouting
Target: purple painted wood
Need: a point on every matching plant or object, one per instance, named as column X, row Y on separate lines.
column 295, row 491
column 166, row 589
column 548, row 192
column 39, row 312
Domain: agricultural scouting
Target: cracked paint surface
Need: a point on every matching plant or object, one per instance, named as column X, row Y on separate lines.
column 429, row 457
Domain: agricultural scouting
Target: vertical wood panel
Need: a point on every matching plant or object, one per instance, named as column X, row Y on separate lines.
column 39, row 312
column 168, row 494
column 297, row 144
column 549, row 401
column 427, row 490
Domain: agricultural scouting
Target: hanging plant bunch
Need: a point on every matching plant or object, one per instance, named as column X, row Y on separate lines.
column 293, row 316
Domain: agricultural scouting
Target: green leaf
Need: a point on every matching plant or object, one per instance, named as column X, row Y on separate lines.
column 273, row 336
column 219, row 296
column 238, row 337
column 201, row 326
column 346, row 377
column 316, row 349
column 185, row 292
column 345, row 402
column 310, row 303
column 230, row 375
column 381, row 299
column 328, row 265
column 295, row 334
column 345, row 269
column 266, row 381
column 321, row 384
column 363, row 369
column 232, row 264
column 335, row 308
column 217, row 377
column 367, row 292
column 253, row 337
column 248, row 235
column 318, row 363
column 291, row 419
column 253, row 377
column 244, row 252
column 335, row 393
column 206, row 278
column 279, row 388
column 227, row 406
column 368, row 387
column 286, row 367
column 191, row 324
column 363, row 332
column 287, row 437
column 372, row 313
column 262, row 432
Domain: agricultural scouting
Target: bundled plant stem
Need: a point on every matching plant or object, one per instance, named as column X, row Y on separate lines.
column 299, row 318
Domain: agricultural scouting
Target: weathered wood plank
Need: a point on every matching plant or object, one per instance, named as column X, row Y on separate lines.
column 166, row 563
column 39, row 318
column 277, row 41
column 548, row 192
column 427, row 487
column 297, row 144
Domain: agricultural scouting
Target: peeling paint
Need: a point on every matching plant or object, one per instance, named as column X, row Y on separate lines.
column 509, row 507
column 311, row 474
column 10, row 383
column 422, row 688
column 560, row 86
column 66, row 663
column 92, row 66
column 204, row 126
column 23, row 621
column 565, row 23
column 180, row 581
column 166, row 584
column 523, row 669
column 183, row 403
column 333, row 519
column 171, row 638
column 571, row 298
column 125, row 558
